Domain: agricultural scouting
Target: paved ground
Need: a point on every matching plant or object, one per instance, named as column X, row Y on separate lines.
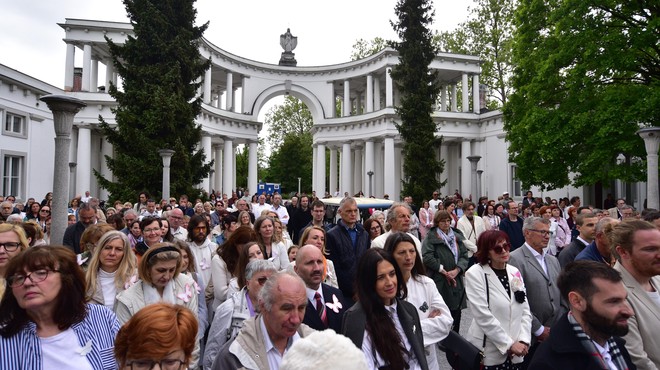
column 466, row 320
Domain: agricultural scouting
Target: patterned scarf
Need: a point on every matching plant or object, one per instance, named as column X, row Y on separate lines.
column 450, row 240
column 588, row 345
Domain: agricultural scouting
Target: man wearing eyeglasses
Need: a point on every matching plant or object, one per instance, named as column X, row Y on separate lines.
column 539, row 271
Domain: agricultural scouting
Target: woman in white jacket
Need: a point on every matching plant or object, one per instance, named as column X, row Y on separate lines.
column 501, row 318
column 273, row 250
column 434, row 314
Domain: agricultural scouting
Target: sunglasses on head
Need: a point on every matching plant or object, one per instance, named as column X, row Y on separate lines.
column 499, row 249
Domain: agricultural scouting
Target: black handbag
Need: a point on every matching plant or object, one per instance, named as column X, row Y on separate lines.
column 461, row 354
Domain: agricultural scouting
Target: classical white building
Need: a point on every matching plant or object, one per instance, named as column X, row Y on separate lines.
column 362, row 140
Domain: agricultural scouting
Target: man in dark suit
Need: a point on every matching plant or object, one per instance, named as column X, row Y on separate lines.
column 586, row 225
column 539, row 272
column 325, row 304
column 346, row 243
column 72, row 234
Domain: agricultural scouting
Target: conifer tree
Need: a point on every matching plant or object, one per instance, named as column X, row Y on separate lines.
column 419, row 90
column 160, row 67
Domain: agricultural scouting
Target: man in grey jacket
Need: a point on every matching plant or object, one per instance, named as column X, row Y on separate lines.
column 267, row 337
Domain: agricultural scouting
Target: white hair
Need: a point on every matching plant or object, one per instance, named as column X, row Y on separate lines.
column 324, row 350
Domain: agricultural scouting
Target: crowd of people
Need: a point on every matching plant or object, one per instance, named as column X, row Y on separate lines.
column 247, row 282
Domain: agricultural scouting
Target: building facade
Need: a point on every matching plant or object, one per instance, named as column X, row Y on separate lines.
column 359, row 139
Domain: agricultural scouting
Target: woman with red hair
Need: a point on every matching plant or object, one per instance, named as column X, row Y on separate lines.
column 160, row 333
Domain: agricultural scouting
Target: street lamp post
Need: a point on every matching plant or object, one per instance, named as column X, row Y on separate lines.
column 64, row 108
column 371, row 189
column 166, row 154
column 299, row 186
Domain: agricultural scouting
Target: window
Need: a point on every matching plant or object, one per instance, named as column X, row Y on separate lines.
column 515, row 183
column 12, row 174
column 15, row 124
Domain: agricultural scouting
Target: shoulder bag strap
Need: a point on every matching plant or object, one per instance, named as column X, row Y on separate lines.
column 488, row 301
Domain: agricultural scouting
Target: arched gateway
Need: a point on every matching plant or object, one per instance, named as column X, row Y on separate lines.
column 362, row 139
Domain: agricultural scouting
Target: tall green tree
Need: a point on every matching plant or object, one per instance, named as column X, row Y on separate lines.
column 363, row 48
column 419, row 90
column 289, row 138
column 586, row 79
column 158, row 103
column 488, row 34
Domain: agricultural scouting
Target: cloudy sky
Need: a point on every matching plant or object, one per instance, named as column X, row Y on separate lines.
column 31, row 40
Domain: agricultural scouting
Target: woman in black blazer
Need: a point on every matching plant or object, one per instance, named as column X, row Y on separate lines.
column 381, row 323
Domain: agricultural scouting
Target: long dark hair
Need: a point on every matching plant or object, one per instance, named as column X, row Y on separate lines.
column 70, row 307
column 397, row 238
column 384, row 336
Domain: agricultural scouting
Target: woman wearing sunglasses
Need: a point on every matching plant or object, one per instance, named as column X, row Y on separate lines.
column 502, row 321
column 229, row 316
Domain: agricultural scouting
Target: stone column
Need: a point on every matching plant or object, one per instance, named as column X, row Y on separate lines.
column 346, row 173
column 94, row 76
column 166, row 155
column 320, row 172
column 651, row 136
column 233, row 172
column 68, row 67
column 444, row 154
column 389, row 89
column 443, row 98
column 207, row 86
column 72, row 181
column 378, row 170
column 376, row 93
column 64, row 108
column 347, row 99
column 315, row 165
column 398, row 172
column 252, row 167
column 479, row 187
column 106, row 151
column 388, row 167
column 465, row 104
column 476, row 108
column 370, row 94
column 466, row 152
column 230, row 93
column 218, row 167
column 474, row 184
column 454, row 104
column 228, row 170
column 206, row 146
column 87, row 66
column 84, row 160
column 357, row 170
column 369, row 165
column 333, row 171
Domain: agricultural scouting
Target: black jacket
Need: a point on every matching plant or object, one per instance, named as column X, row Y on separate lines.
column 355, row 321
column 563, row 350
column 313, row 320
column 344, row 256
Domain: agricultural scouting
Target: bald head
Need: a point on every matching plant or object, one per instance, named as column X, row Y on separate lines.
column 309, row 266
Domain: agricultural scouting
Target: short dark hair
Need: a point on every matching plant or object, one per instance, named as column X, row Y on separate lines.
column 486, row 242
column 70, row 307
column 317, row 203
column 146, row 221
column 578, row 276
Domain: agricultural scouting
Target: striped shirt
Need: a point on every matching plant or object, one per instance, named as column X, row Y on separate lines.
column 99, row 328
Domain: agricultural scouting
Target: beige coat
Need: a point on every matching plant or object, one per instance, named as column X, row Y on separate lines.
column 643, row 338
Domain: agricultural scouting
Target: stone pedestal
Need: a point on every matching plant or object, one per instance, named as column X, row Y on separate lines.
column 651, row 136
column 166, row 154
column 64, row 108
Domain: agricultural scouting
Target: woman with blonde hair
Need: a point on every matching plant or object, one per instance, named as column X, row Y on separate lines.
column 12, row 242
column 112, row 269
column 162, row 334
column 244, row 219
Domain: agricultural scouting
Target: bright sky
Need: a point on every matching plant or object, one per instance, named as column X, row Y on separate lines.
column 31, row 41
